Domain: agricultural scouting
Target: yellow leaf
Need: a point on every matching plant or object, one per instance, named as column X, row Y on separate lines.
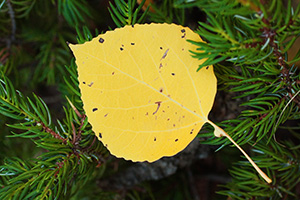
column 141, row 91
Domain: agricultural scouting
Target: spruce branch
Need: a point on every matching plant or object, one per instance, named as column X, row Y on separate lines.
column 126, row 13
column 67, row 159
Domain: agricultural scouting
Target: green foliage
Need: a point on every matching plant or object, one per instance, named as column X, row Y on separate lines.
column 70, row 149
column 126, row 14
column 248, row 42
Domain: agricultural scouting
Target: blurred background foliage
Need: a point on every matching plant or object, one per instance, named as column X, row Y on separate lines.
column 48, row 150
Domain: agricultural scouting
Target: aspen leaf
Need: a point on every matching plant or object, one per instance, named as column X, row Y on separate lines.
column 141, row 91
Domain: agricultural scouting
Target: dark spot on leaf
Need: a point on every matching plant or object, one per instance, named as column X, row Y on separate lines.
column 168, row 119
column 106, row 145
column 160, row 47
column 192, row 131
column 83, row 82
column 163, row 111
column 121, row 49
column 90, row 85
column 183, row 116
column 95, row 109
column 173, row 125
column 106, row 115
column 160, row 65
column 132, row 26
column 100, row 135
column 122, row 45
column 165, row 54
column 101, row 40
column 183, row 31
column 161, row 90
column 132, row 43
column 173, row 74
column 207, row 67
column 182, row 49
column 158, row 105
column 176, row 140
column 146, row 113
column 112, row 73
column 154, row 139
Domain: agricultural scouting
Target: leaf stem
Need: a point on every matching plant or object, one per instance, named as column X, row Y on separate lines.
column 220, row 132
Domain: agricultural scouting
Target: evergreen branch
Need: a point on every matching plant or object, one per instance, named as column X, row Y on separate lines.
column 220, row 7
column 73, row 11
column 126, row 14
column 279, row 161
column 23, row 7
column 66, row 157
column 167, row 12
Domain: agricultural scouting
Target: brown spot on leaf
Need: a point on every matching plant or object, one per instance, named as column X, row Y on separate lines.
column 165, row 54
column 90, row 85
column 173, row 125
column 154, row 139
column 192, row 131
column 106, row 115
column 146, row 113
column 112, row 73
column 94, row 109
column 160, row 65
column 158, row 105
column 161, row 90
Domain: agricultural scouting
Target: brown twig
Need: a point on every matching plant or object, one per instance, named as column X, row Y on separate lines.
column 268, row 35
column 13, row 24
column 53, row 133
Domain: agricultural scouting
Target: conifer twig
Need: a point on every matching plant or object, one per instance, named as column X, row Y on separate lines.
column 269, row 34
column 13, row 24
column 53, row 133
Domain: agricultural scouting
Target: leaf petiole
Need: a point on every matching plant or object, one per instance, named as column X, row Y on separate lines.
column 220, row 132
